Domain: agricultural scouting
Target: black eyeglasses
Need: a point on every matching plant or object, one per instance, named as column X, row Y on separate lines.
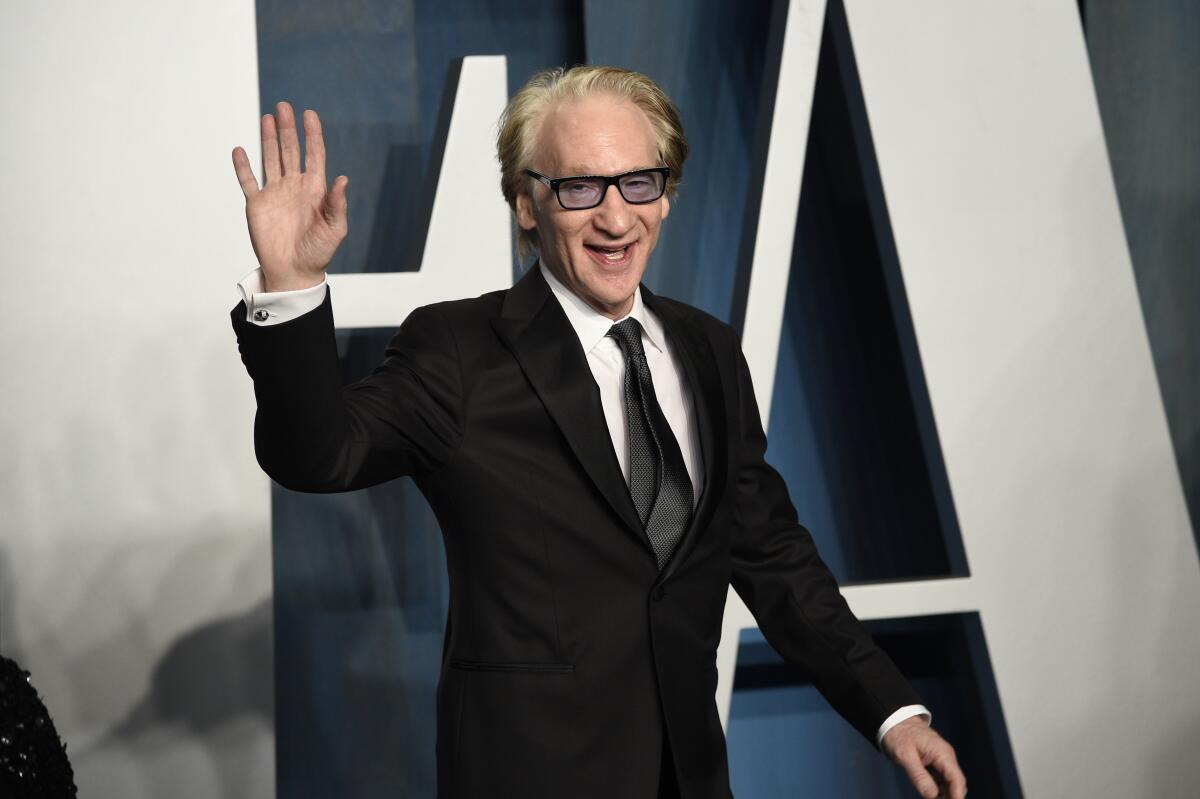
column 638, row 187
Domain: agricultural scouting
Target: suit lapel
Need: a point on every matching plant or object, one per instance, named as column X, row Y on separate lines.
column 690, row 343
column 536, row 330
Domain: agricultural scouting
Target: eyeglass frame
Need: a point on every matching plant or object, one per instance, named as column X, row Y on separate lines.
column 609, row 180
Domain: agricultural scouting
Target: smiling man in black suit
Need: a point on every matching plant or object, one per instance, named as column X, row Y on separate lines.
column 592, row 451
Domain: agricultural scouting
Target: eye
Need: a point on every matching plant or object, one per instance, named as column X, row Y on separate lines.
column 641, row 186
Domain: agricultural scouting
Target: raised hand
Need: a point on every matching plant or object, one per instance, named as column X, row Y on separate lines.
column 295, row 224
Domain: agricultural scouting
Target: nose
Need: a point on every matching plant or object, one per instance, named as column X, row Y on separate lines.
column 613, row 216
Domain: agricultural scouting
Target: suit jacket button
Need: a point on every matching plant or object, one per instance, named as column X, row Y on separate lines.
column 659, row 593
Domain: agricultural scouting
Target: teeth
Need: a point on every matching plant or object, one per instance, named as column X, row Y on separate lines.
column 612, row 253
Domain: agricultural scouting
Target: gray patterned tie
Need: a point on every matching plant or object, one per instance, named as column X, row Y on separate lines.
column 658, row 479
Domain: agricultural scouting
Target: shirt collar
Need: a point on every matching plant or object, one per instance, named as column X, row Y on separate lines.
column 592, row 326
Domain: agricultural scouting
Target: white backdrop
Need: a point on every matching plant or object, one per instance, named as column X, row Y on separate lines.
column 134, row 547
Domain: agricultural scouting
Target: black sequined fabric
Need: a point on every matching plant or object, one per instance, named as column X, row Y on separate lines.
column 33, row 761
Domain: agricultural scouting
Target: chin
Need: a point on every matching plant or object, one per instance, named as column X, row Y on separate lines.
column 615, row 289
column 602, row 282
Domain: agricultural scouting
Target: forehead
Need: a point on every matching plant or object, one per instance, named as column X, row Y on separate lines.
column 599, row 134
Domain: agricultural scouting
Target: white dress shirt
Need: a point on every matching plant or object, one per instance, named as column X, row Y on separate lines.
column 607, row 363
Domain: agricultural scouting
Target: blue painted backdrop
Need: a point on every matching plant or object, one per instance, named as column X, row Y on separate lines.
column 360, row 585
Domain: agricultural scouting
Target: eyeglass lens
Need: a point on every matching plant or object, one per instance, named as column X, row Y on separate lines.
column 636, row 187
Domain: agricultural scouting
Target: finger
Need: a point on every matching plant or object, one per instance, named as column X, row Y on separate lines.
column 314, row 146
column 919, row 777
column 289, row 141
column 952, row 776
column 270, row 150
column 336, row 204
column 245, row 175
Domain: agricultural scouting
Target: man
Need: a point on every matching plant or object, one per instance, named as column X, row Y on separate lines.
column 594, row 456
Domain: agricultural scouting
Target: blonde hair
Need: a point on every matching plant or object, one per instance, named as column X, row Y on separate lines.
column 519, row 123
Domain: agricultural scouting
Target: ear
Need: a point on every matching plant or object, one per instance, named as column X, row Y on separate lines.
column 524, row 211
column 666, row 207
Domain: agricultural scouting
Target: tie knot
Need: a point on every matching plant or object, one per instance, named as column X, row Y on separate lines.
column 628, row 334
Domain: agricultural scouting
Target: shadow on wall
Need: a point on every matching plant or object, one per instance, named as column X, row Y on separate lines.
column 209, row 676
column 210, row 698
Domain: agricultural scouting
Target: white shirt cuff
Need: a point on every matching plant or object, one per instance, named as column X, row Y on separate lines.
column 903, row 714
column 276, row 307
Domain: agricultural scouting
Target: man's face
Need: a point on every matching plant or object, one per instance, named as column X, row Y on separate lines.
column 598, row 253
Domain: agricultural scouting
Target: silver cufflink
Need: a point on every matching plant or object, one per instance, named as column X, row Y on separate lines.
column 261, row 315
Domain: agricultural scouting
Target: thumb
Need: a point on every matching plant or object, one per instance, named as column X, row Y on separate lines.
column 335, row 205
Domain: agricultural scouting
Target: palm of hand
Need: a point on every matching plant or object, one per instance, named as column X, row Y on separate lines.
column 295, row 224
column 288, row 228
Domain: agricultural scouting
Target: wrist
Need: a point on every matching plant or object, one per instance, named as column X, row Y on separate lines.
column 902, row 714
column 272, row 307
column 900, row 732
column 291, row 282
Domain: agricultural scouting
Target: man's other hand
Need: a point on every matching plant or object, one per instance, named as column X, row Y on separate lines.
column 927, row 759
column 295, row 224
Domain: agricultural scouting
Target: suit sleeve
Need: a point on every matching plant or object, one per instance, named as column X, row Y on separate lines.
column 313, row 434
column 795, row 599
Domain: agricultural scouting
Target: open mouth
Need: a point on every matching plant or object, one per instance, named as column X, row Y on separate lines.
column 611, row 256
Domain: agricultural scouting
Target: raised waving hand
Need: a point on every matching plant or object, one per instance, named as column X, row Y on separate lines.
column 296, row 224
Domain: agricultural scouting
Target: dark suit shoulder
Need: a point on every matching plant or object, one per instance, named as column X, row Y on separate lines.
column 716, row 328
column 466, row 308
column 466, row 312
column 467, row 318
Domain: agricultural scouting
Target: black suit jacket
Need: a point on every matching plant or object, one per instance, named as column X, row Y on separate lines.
column 567, row 655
